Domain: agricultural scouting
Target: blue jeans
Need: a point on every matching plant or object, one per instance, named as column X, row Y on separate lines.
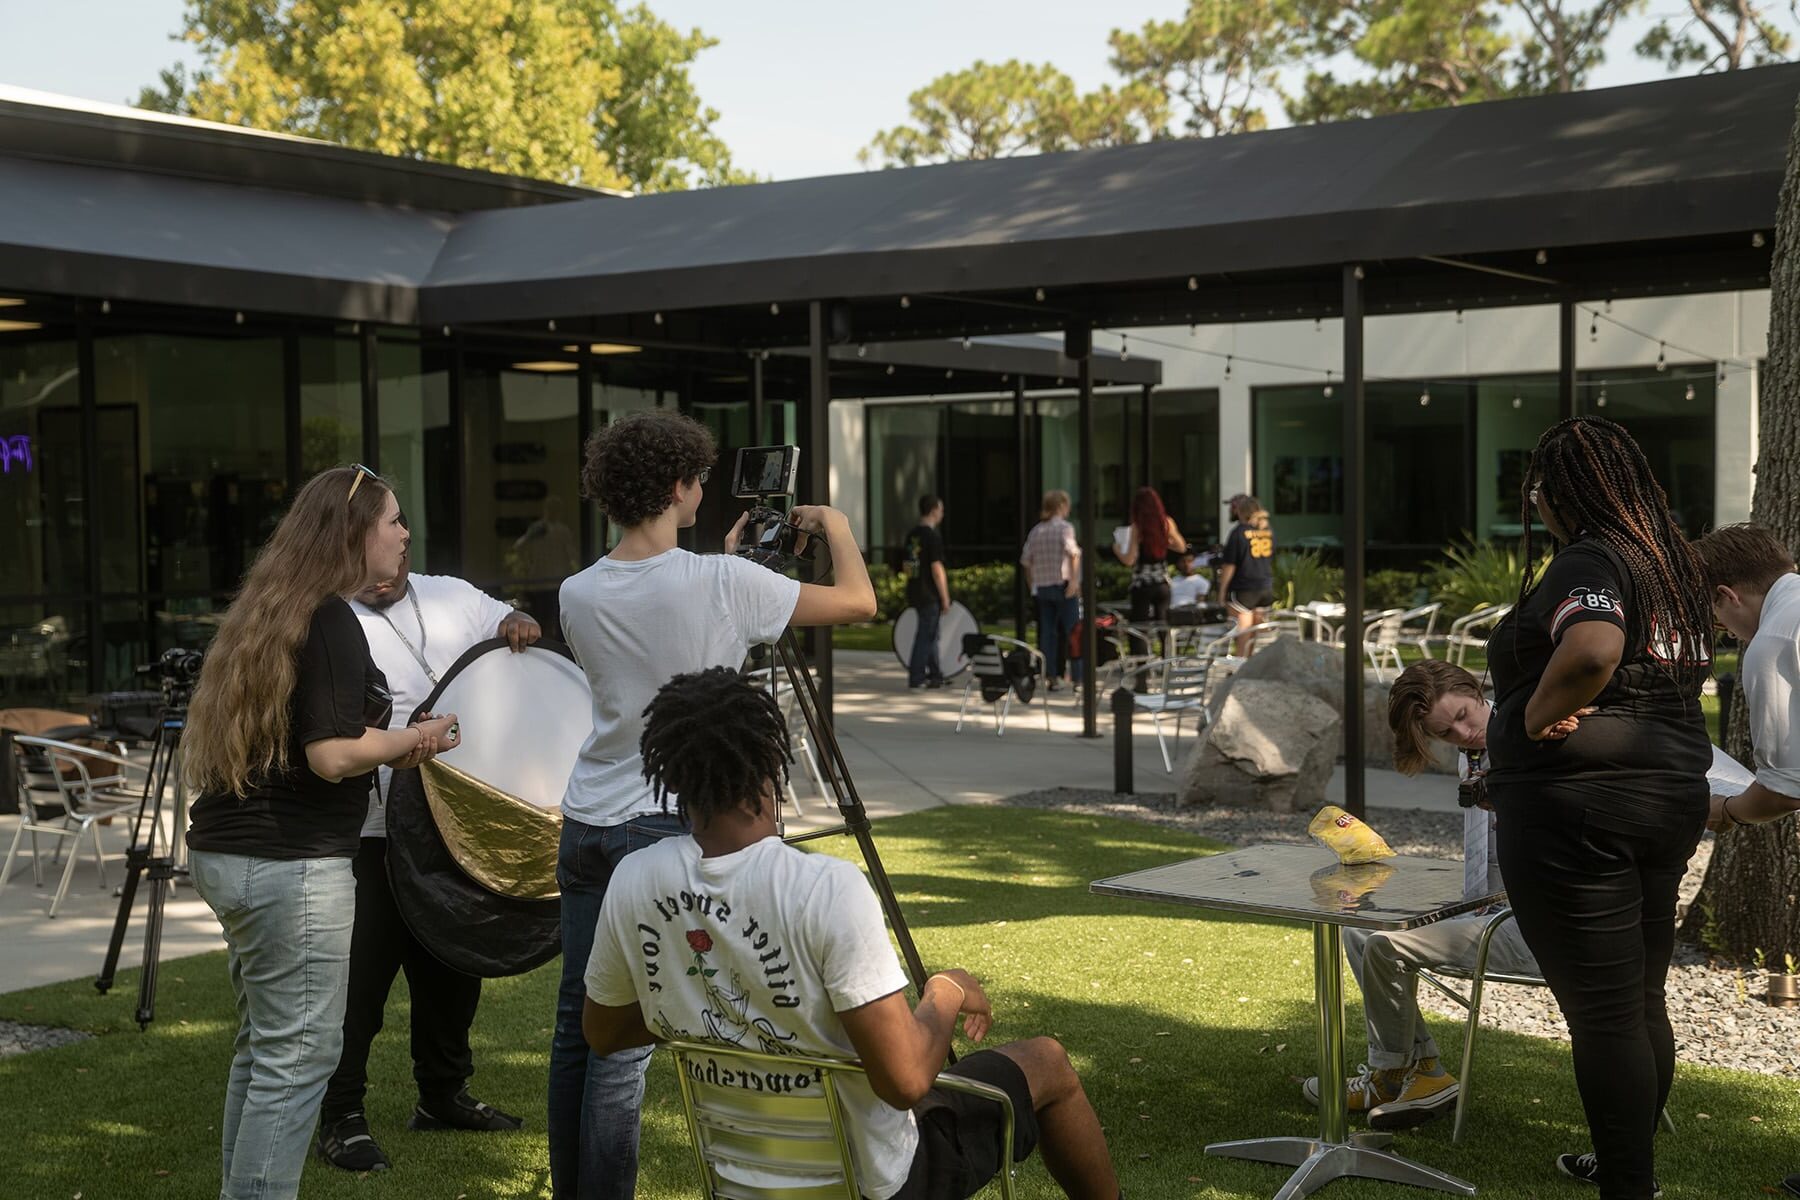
column 922, row 664
column 1057, row 616
column 287, row 925
column 594, row 1101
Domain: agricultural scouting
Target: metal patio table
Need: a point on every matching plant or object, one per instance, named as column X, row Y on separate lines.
column 1307, row 883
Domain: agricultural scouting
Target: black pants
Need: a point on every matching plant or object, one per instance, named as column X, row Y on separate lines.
column 1594, row 894
column 1150, row 601
column 443, row 1000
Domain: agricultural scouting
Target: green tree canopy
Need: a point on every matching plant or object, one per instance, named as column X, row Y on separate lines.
column 582, row 91
column 1718, row 35
column 1212, row 68
column 995, row 110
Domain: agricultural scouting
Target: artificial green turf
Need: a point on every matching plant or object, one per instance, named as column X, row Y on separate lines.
column 1186, row 1028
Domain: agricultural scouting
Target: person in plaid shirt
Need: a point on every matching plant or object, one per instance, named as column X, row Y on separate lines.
column 1052, row 562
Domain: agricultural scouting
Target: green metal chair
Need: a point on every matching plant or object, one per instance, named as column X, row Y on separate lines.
column 801, row 1136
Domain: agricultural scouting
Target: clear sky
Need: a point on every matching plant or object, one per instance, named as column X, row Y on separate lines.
column 801, row 84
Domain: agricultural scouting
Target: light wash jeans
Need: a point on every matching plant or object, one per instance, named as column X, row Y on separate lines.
column 287, row 924
column 594, row 1101
column 1385, row 964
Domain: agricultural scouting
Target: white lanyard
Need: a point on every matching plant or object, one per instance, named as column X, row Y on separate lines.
column 419, row 653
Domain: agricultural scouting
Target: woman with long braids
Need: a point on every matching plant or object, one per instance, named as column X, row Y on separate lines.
column 287, row 724
column 1596, row 828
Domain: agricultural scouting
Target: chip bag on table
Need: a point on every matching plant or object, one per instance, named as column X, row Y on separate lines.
column 1347, row 837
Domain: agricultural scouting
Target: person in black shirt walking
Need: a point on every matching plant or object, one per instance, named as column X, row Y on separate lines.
column 1596, row 829
column 287, row 723
column 1247, row 566
column 928, row 591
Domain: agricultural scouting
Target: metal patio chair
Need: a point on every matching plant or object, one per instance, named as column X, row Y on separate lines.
column 988, row 675
column 1173, row 686
column 89, row 785
column 1381, row 640
column 1418, row 626
column 1477, row 977
column 802, row 1133
column 1470, row 632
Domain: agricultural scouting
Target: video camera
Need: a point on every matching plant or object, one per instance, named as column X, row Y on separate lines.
column 764, row 473
column 1472, row 791
column 177, row 671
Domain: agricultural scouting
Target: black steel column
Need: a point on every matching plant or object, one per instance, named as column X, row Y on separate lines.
column 86, row 385
column 759, row 422
column 1354, row 533
column 818, row 473
column 1080, row 347
column 1565, row 363
column 584, row 429
column 1144, row 440
column 1021, row 581
column 290, row 407
column 1126, row 475
column 371, row 413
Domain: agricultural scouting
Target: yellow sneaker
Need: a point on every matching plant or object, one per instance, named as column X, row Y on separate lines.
column 1422, row 1098
column 1362, row 1092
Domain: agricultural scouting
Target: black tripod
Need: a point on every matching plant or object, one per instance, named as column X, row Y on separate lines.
column 850, row 805
column 143, row 860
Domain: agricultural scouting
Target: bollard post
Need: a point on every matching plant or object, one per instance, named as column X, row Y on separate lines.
column 1124, row 705
column 1727, row 697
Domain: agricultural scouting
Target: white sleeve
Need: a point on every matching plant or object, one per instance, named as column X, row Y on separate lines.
column 761, row 602
column 847, row 939
column 482, row 612
column 609, row 977
column 1771, row 682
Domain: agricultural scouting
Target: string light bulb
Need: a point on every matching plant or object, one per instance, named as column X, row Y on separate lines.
column 550, row 325
column 774, row 309
column 1756, row 239
column 1594, row 329
column 1518, row 402
column 1328, row 385
column 967, row 341
column 1124, row 348
column 906, row 302
column 1662, row 357
column 1040, row 295
column 1459, row 316
column 1193, row 284
column 658, row 318
column 1425, row 397
column 1600, row 400
column 1690, row 392
column 1228, row 366
column 862, row 350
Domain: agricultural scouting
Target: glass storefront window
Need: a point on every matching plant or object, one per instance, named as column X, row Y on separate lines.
column 1184, row 461
column 202, row 420
column 1676, row 432
column 418, row 447
column 903, row 465
column 1418, row 484
column 43, row 547
column 43, row 653
column 521, row 472
column 1299, row 464
column 609, row 400
column 1510, row 416
column 331, row 423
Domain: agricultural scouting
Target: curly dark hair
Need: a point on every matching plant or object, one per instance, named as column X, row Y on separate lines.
column 715, row 741
column 633, row 464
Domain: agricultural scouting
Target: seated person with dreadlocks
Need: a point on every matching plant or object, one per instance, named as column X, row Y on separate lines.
column 1404, row 1084
column 794, row 957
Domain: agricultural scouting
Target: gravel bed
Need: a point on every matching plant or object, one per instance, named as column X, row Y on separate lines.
column 22, row 1039
column 1718, row 1012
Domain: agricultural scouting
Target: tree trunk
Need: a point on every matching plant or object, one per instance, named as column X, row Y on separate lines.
column 1748, row 901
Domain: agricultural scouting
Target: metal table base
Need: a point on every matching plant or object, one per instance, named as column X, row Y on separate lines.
column 1336, row 1153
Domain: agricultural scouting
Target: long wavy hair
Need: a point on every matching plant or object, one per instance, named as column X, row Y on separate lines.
column 1598, row 482
column 1152, row 522
column 239, row 721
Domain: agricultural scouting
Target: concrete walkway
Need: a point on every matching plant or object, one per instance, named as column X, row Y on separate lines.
column 901, row 747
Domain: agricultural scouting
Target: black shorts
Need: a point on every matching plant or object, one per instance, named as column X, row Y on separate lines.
column 959, row 1134
column 1250, row 601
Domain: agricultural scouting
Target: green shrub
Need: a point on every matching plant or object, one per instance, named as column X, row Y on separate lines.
column 1476, row 574
column 1302, row 576
column 890, row 591
column 1392, row 589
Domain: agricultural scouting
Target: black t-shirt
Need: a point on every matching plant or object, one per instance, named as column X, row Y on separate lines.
column 924, row 546
column 1647, row 748
column 1252, row 552
column 338, row 692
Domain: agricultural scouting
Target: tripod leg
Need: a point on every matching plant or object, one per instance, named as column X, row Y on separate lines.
column 141, row 850
column 160, row 874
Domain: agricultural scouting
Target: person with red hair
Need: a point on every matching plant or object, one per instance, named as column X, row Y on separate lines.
column 1152, row 538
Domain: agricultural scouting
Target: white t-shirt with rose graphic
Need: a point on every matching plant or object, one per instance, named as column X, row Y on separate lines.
column 760, row 949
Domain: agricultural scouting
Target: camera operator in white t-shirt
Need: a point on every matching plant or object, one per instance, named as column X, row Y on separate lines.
column 417, row 626
column 644, row 613
column 1404, row 1084
column 774, row 950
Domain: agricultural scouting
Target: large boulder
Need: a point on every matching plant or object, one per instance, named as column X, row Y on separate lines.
column 1271, row 745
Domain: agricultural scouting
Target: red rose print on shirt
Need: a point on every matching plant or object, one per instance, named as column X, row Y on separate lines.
column 700, row 942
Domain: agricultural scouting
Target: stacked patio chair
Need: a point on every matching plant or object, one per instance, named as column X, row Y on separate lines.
column 1418, row 626
column 1471, row 632
column 1381, row 640
column 64, row 791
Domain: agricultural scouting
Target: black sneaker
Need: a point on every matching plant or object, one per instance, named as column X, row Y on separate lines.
column 347, row 1144
column 462, row 1111
column 1586, row 1167
column 1791, row 1184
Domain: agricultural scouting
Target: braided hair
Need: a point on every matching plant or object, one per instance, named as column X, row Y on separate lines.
column 713, row 740
column 1599, row 484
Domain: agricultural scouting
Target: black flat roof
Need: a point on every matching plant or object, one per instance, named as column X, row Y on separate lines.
column 1654, row 187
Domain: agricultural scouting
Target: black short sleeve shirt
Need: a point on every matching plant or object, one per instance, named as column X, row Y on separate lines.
column 1647, row 744
column 924, row 546
column 1252, row 552
column 338, row 692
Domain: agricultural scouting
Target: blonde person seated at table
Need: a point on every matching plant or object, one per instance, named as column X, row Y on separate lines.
column 787, row 952
column 1404, row 1084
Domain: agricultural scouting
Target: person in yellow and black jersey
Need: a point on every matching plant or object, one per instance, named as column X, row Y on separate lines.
column 1247, row 566
column 1596, row 828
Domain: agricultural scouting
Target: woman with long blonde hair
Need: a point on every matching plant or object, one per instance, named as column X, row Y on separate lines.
column 286, row 726
column 1247, row 566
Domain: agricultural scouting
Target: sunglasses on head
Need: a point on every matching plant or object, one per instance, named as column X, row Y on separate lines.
column 362, row 473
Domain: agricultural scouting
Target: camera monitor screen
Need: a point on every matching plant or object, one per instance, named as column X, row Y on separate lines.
column 766, row 471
